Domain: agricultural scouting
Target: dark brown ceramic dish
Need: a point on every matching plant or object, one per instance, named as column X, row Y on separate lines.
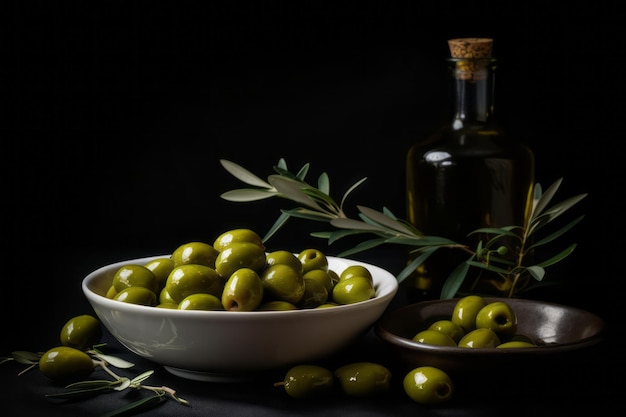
column 559, row 330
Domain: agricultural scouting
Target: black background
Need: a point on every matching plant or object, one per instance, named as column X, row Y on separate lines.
column 115, row 115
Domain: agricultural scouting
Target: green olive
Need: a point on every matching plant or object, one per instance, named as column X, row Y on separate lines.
column 81, row 332
column 237, row 236
column 185, row 280
column 334, row 276
column 66, row 364
column 166, row 298
column 240, row 255
column 353, row 290
column 428, row 385
column 516, row 344
column 200, row 301
column 200, row 253
column 356, row 271
column 243, row 291
column 171, row 306
column 445, row 326
column 499, row 317
column 361, row 379
column 276, row 305
column 313, row 259
column 307, row 381
column 328, row 305
column 111, row 292
column 137, row 295
column 323, row 277
column 465, row 311
column 282, row 282
column 314, row 295
column 284, row 257
column 434, row 337
column 521, row 338
column 479, row 338
column 161, row 268
column 133, row 275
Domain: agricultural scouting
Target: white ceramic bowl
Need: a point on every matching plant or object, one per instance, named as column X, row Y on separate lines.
column 214, row 345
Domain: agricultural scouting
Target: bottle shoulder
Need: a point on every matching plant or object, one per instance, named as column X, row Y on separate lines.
column 471, row 141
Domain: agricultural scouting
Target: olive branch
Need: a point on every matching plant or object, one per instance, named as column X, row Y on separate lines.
column 90, row 388
column 317, row 205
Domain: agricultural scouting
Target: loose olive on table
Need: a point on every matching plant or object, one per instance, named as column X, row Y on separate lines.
column 81, row 332
column 360, row 379
column 307, row 381
column 428, row 385
column 66, row 364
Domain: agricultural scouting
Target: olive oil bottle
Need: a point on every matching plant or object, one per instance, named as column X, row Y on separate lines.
column 469, row 174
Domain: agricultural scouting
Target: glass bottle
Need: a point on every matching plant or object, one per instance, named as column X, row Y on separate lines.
column 467, row 175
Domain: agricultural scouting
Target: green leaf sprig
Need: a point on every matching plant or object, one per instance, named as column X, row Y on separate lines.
column 317, row 204
column 86, row 389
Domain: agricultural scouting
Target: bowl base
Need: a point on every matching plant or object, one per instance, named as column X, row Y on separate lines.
column 209, row 376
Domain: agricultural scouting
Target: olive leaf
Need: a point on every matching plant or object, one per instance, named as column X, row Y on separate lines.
column 85, row 389
column 455, row 280
column 244, row 175
column 82, row 390
column 26, row 358
column 137, row 407
column 136, row 381
column 317, row 204
column 113, row 360
column 243, row 195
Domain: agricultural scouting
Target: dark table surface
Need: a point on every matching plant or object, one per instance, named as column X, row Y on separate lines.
column 589, row 380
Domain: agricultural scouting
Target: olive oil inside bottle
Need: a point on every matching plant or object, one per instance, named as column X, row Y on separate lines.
column 468, row 175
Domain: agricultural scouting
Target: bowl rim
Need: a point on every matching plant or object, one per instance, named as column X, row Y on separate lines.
column 385, row 283
column 394, row 339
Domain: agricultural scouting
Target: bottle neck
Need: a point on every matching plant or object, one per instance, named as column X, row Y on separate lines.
column 472, row 86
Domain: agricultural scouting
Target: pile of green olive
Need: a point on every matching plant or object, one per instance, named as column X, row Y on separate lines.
column 424, row 384
column 476, row 323
column 70, row 361
column 235, row 273
column 358, row 379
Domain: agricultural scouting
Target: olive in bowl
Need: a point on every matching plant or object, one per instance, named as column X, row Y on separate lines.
column 217, row 345
column 543, row 330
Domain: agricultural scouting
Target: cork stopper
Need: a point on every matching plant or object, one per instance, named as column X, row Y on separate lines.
column 470, row 49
